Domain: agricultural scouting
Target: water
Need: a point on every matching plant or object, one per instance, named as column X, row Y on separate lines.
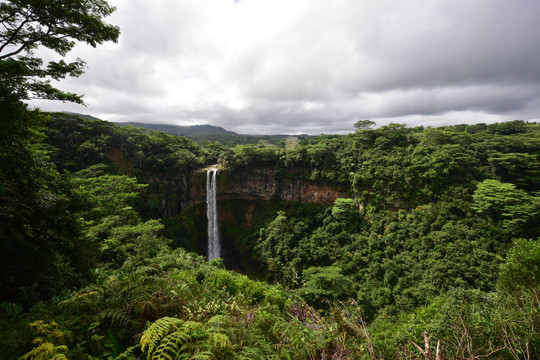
column 214, row 247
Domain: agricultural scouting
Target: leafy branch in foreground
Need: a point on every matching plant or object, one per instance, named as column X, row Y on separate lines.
column 56, row 25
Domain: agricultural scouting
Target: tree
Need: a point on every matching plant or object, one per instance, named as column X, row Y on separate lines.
column 364, row 124
column 504, row 202
column 41, row 250
column 520, row 275
column 324, row 283
column 56, row 25
column 519, row 287
column 344, row 210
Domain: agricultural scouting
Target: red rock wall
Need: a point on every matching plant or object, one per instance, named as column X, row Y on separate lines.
column 263, row 185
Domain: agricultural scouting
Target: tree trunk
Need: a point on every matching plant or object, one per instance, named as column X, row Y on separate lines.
column 426, row 352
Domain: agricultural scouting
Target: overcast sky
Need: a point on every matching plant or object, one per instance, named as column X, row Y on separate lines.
column 313, row 66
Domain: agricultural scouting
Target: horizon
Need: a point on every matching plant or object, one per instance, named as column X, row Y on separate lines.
column 281, row 67
column 375, row 126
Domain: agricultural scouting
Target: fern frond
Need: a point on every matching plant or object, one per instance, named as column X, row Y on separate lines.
column 251, row 353
column 46, row 351
column 146, row 271
column 171, row 346
column 118, row 317
column 81, row 299
column 128, row 353
column 153, row 336
column 257, row 353
column 219, row 340
column 192, row 325
column 203, row 355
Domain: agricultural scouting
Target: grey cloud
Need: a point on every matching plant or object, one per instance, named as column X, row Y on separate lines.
column 316, row 66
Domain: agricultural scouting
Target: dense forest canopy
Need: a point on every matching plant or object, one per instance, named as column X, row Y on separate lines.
column 436, row 241
column 432, row 220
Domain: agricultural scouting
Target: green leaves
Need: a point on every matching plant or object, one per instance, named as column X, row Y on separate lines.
column 504, row 202
column 519, row 288
column 37, row 218
column 57, row 25
column 364, row 124
column 324, row 284
column 521, row 272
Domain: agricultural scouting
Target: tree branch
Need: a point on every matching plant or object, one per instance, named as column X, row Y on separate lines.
column 438, row 355
column 417, row 346
column 491, row 353
column 14, row 35
column 10, row 15
column 426, row 353
column 25, row 45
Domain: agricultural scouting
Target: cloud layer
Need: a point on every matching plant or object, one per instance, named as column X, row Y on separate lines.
column 311, row 66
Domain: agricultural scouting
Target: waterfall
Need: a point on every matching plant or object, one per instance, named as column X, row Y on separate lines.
column 214, row 247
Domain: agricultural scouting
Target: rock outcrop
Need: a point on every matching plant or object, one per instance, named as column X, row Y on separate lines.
column 262, row 185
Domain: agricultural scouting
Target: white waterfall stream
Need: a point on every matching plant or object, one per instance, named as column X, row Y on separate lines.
column 214, row 246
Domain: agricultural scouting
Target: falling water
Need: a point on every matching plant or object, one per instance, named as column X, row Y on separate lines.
column 214, row 247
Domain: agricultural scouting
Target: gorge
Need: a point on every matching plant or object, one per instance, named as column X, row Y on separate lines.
column 402, row 228
column 237, row 201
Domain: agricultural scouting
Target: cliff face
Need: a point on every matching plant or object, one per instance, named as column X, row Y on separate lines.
column 262, row 185
column 242, row 201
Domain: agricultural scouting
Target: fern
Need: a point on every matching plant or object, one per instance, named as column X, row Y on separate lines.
column 261, row 352
column 44, row 345
column 251, row 353
column 118, row 317
column 153, row 336
column 219, row 341
column 171, row 346
column 81, row 300
column 171, row 338
column 146, row 271
column 203, row 355
column 127, row 354
column 46, row 351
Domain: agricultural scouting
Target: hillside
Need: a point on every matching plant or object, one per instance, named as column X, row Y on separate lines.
column 160, row 242
column 359, row 243
column 192, row 131
column 199, row 133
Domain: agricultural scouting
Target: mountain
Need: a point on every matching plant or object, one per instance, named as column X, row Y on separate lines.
column 210, row 133
column 199, row 133
column 193, row 131
column 84, row 116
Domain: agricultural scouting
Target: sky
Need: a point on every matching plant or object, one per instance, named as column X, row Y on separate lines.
column 313, row 66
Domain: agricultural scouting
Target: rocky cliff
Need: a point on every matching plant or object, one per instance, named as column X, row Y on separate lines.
column 262, row 185
column 243, row 200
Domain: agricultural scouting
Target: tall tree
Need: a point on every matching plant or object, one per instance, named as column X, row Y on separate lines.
column 56, row 25
column 40, row 246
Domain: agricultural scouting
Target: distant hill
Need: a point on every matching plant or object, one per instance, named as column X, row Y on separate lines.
column 192, row 131
column 196, row 132
column 84, row 116
column 211, row 133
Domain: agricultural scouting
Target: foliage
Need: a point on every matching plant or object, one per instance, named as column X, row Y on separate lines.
column 519, row 285
column 521, row 272
column 55, row 25
column 44, row 345
column 250, row 155
column 515, row 208
column 417, row 249
column 196, row 310
column 324, row 284
column 364, row 124
column 38, row 205
column 177, row 339
column 37, row 218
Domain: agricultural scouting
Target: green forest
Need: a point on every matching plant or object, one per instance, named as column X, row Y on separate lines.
column 432, row 252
